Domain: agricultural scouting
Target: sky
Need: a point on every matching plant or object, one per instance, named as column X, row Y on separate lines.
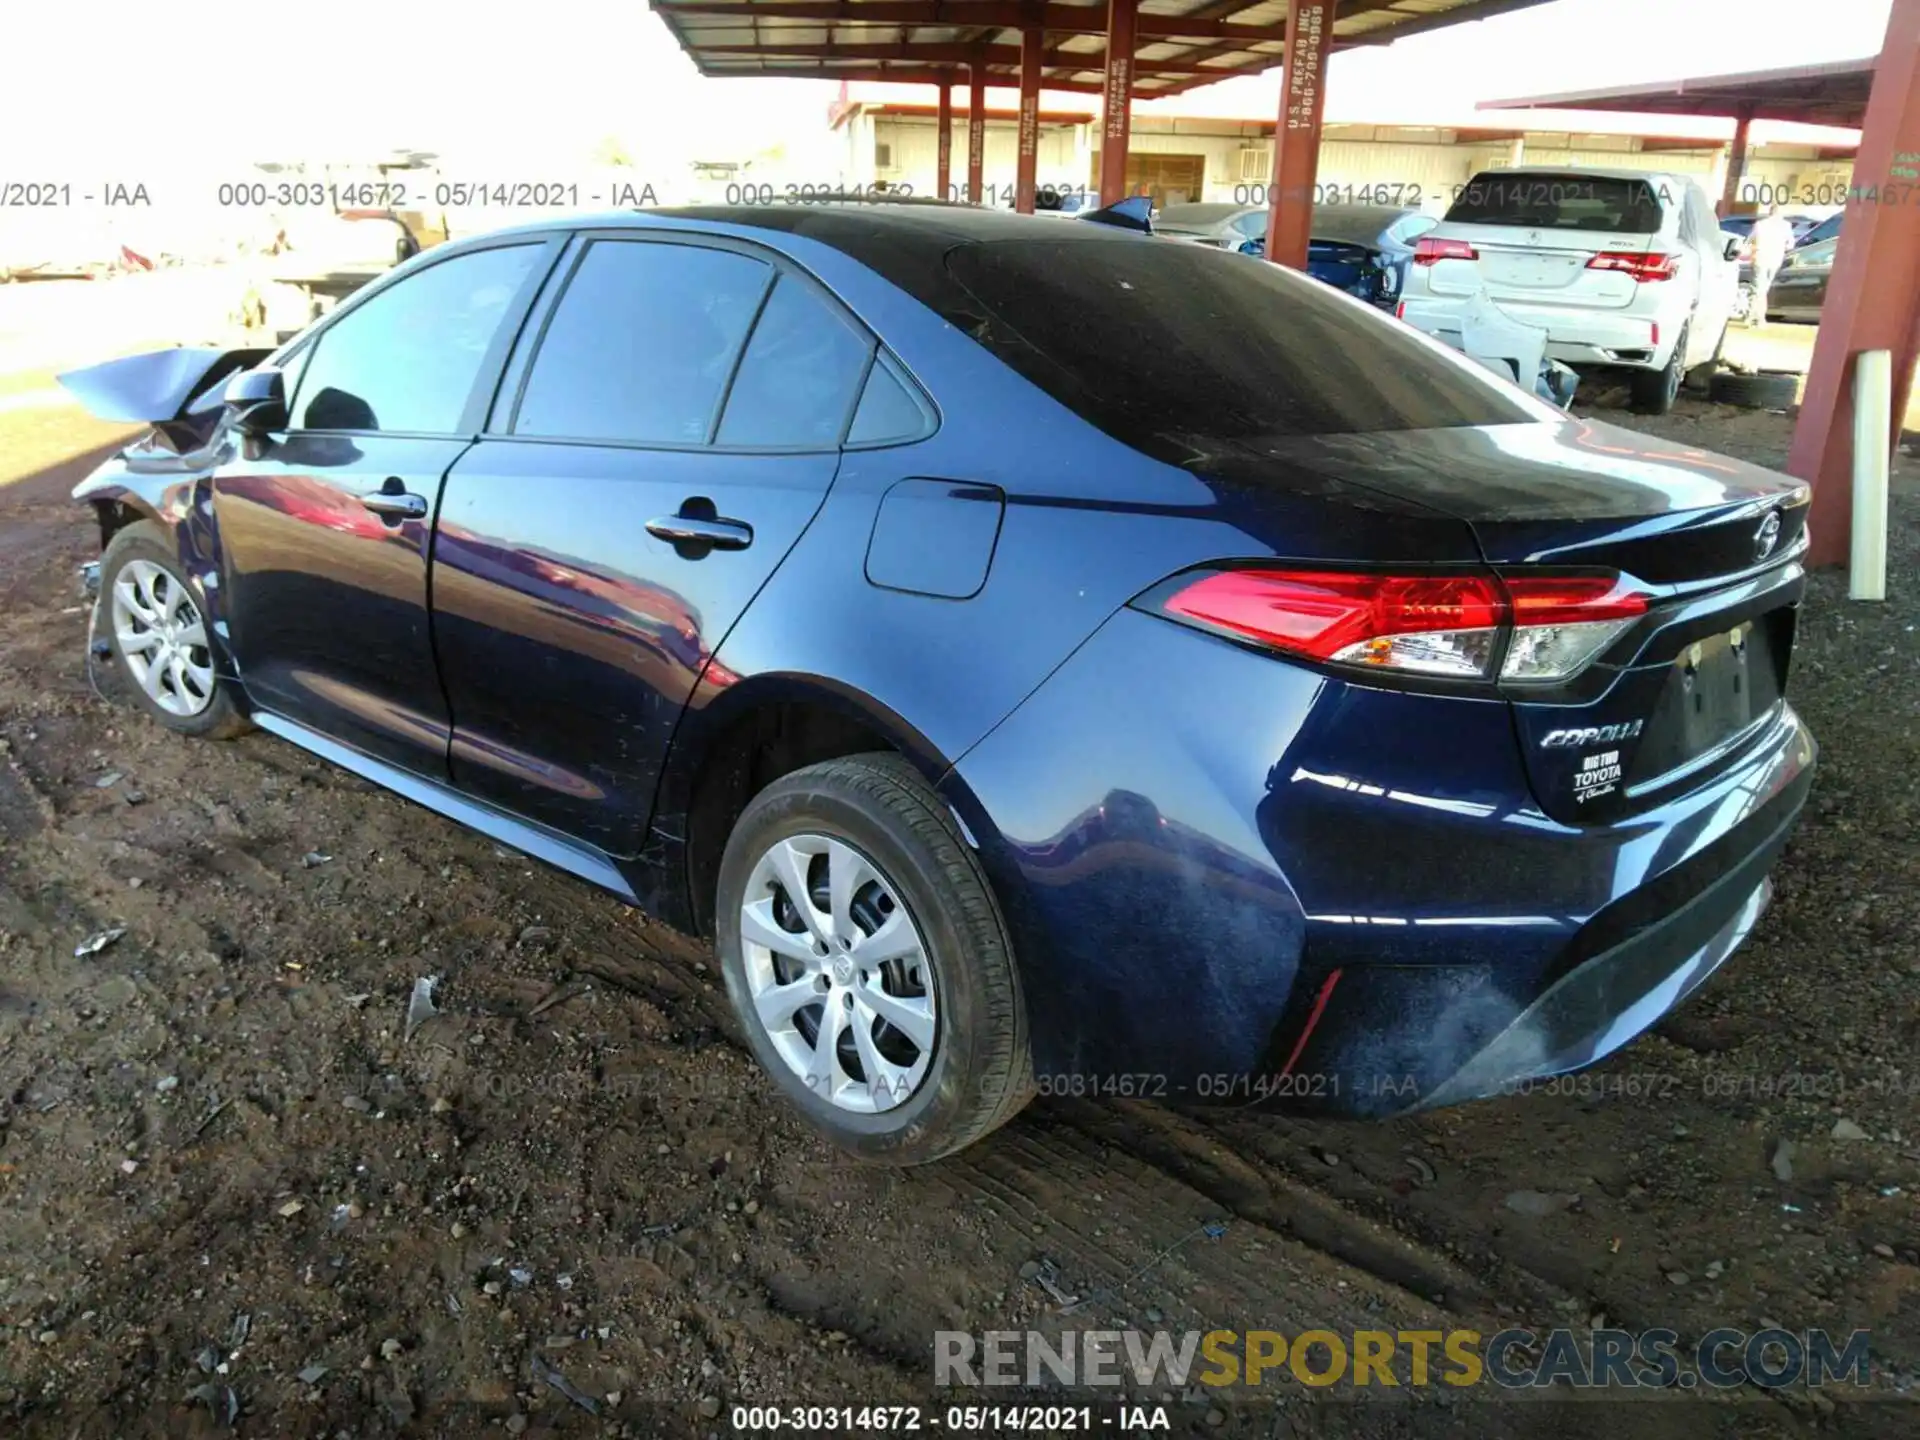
column 495, row 85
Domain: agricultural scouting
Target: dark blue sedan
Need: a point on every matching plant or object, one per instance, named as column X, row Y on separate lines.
column 1362, row 249
column 1042, row 658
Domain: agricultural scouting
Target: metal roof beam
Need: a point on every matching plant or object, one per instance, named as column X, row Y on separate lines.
column 961, row 54
column 995, row 14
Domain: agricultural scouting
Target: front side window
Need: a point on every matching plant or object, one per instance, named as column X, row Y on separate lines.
column 642, row 343
column 407, row 359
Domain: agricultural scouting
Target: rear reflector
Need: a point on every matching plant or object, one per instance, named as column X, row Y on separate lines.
column 1427, row 249
column 1641, row 267
column 1448, row 625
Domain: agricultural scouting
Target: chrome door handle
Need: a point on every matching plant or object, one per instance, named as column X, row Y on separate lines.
column 401, row 506
column 720, row 534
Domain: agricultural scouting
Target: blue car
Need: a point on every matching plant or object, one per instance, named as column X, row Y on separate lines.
column 1364, row 250
column 1041, row 658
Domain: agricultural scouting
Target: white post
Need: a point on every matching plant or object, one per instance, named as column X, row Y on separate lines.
column 1872, row 423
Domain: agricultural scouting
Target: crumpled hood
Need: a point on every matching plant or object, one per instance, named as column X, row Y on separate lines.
column 158, row 386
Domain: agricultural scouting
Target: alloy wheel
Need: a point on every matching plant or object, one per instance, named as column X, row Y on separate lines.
column 838, row 974
column 163, row 638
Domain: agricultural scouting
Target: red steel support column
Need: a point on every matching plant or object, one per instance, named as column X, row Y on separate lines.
column 1736, row 162
column 1027, row 158
column 1873, row 296
column 976, row 128
column 1296, row 138
column 1116, row 124
column 943, row 150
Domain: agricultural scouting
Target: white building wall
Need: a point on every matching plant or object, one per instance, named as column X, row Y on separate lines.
column 914, row 155
column 1427, row 165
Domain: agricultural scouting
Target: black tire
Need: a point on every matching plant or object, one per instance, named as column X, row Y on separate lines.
column 144, row 540
column 980, row 1071
column 1654, row 391
column 1767, row 390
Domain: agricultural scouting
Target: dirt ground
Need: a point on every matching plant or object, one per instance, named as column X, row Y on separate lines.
column 223, row 1164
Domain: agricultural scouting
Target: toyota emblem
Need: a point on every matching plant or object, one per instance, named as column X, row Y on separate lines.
column 1767, row 536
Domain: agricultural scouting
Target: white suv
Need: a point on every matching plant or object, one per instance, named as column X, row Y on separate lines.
column 1619, row 267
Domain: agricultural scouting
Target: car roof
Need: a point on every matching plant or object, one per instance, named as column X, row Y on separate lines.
column 1202, row 212
column 1598, row 172
column 1356, row 222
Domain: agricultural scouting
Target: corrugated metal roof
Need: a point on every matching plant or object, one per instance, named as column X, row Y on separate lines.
column 1180, row 44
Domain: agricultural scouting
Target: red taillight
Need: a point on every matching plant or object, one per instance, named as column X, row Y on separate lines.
column 1575, row 599
column 1641, row 267
column 1426, row 624
column 1428, row 249
column 1437, row 624
column 1400, row 311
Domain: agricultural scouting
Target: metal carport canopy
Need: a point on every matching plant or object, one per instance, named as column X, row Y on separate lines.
column 1179, row 44
column 1830, row 94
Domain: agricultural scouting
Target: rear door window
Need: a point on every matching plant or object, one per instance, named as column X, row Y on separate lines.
column 797, row 380
column 642, row 344
column 1539, row 201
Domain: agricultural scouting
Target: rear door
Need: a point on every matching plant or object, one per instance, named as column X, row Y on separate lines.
column 1533, row 236
column 324, row 533
column 655, row 451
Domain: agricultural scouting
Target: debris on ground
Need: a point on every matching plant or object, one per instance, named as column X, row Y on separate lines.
column 1538, row 1204
column 420, row 1008
column 547, row 1375
column 98, row 941
column 1783, row 1160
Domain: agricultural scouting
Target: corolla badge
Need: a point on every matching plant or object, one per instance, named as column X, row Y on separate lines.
column 1592, row 735
column 1767, row 536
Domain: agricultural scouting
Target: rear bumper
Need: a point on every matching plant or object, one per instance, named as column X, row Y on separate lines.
column 1574, row 337
column 1263, row 884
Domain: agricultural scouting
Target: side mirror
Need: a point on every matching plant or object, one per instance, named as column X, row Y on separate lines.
column 257, row 401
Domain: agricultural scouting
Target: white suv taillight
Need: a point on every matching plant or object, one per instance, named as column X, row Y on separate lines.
column 1642, row 267
column 1428, row 248
column 1446, row 625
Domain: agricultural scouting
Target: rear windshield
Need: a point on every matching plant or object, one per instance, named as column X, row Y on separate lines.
column 1559, row 202
column 1177, row 349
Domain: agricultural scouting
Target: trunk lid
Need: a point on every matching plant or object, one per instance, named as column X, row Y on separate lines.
column 1542, row 267
column 1713, row 541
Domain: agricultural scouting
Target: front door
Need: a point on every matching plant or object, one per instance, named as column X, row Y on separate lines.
column 324, row 537
column 678, row 427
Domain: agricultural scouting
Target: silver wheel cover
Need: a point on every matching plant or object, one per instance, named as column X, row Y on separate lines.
column 162, row 638
column 838, row 976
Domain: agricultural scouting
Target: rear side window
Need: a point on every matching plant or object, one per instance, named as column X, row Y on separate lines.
column 887, row 411
column 641, row 344
column 1572, row 201
column 797, row 380
column 1176, row 349
column 407, row 358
